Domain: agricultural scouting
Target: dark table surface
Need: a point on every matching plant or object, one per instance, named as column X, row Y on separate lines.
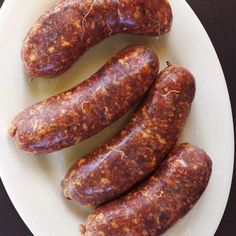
column 219, row 20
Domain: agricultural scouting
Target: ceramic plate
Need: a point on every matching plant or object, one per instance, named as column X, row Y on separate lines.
column 33, row 184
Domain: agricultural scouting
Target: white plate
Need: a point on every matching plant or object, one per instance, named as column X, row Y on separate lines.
column 33, row 184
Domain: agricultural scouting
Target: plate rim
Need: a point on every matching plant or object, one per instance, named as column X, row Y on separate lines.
column 3, row 11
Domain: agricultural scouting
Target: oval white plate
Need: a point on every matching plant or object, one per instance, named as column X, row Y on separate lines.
column 33, row 184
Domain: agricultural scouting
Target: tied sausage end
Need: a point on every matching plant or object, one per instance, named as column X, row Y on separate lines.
column 82, row 229
column 12, row 131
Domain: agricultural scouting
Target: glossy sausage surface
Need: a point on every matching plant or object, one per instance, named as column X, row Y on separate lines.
column 140, row 147
column 71, row 27
column 75, row 115
column 159, row 202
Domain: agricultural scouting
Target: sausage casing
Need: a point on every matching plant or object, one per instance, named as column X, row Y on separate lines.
column 72, row 116
column 159, row 202
column 140, row 147
column 71, row 27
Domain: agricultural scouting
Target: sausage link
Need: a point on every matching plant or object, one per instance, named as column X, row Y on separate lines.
column 71, row 27
column 141, row 147
column 75, row 115
column 159, row 202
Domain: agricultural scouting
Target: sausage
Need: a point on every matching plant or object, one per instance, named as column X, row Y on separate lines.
column 75, row 115
column 140, row 147
column 159, row 202
column 71, row 27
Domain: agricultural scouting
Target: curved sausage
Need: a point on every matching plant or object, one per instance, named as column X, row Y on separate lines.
column 75, row 115
column 71, row 27
column 159, row 202
column 140, row 148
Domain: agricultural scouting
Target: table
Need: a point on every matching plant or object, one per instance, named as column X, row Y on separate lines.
column 218, row 18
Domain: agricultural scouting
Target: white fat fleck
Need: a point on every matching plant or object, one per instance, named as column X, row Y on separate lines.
column 182, row 162
column 160, row 194
column 166, row 30
column 160, row 139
